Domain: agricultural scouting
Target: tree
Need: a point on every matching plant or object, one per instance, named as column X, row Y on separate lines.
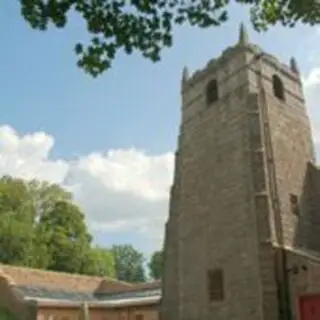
column 65, row 233
column 15, row 199
column 156, row 265
column 146, row 26
column 45, row 195
column 19, row 244
column 99, row 262
column 128, row 263
column 29, row 199
column 15, row 240
column 40, row 227
column 22, row 203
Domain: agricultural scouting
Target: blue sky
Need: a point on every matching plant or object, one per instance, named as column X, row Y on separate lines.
column 134, row 105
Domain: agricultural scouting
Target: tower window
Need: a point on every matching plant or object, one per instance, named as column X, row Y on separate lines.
column 278, row 88
column 215, row 285
column 294, row 202
column 212, row 93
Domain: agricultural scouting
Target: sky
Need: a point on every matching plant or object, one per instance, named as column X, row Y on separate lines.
column 111, row 140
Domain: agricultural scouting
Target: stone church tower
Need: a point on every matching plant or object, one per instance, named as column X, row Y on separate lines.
column 241, row 193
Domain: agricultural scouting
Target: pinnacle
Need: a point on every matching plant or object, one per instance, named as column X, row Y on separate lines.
column 185, row 75
column 243, row 35
column 293, row 65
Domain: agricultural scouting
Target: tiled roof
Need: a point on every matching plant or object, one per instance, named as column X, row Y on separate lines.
column 147, row 285
column 63, row 288
column 56, row 294
column 104, row 287
column 21, row 276
column 146, row 293
column 36, row 292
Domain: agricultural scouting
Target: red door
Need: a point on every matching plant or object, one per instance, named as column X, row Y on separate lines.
column 310, row 307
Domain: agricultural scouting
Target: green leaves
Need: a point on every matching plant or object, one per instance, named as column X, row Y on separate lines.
column 99, row 262
column 142, row 26
column 146, row 26
column 67, row 238
column 15, row 240
column 128, row 263
column 156, row 265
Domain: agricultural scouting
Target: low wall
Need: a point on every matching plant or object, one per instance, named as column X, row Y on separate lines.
column 11, row 304
column 96, row 313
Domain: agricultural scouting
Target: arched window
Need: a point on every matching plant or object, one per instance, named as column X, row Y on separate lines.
column 278, row 89
column 212, row 93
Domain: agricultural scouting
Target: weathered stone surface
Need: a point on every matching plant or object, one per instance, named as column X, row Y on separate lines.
column 237, row 163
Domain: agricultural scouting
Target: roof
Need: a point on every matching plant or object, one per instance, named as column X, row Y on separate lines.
column 22, row 276
column 48, row 287
column 43, row 296
column 36, row 292
column 147, row 285
column 133, row 302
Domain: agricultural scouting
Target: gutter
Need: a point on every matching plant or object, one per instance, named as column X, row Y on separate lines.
column 47, row 302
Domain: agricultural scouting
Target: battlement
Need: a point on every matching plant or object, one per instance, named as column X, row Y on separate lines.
column 290, row 70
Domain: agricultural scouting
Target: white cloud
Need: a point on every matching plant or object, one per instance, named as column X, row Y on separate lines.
column 27, row 156
column 312, row 89
column 121, row 190
column 313, row 79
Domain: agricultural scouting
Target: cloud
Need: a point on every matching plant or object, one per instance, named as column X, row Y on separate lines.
column 121, row 190
column 313, row 79
column 27, row 156
column 312, row 90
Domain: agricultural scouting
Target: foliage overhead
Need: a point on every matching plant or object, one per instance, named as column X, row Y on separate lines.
column 146, row 26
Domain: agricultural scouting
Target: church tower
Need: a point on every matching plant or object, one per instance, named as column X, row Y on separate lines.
column 240, row 169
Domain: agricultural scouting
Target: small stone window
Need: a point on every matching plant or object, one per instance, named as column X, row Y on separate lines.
column 278, row 88
column 294, row 202
column 215, row 285
column 212, row 94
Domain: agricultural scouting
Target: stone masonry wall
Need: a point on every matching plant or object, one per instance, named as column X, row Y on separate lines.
column 309, row 226
column 291, row 140
column 262, row 208
column 170, row 301
column 216, row 208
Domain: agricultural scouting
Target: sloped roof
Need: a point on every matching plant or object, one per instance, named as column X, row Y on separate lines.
column 36, row 292
column 156, row 284
column 58, row 288
column 21, row 276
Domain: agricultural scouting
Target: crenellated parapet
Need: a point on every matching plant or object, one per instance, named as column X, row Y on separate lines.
column 290, row 70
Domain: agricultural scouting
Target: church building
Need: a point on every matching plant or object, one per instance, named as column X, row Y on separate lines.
column 243, row 236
